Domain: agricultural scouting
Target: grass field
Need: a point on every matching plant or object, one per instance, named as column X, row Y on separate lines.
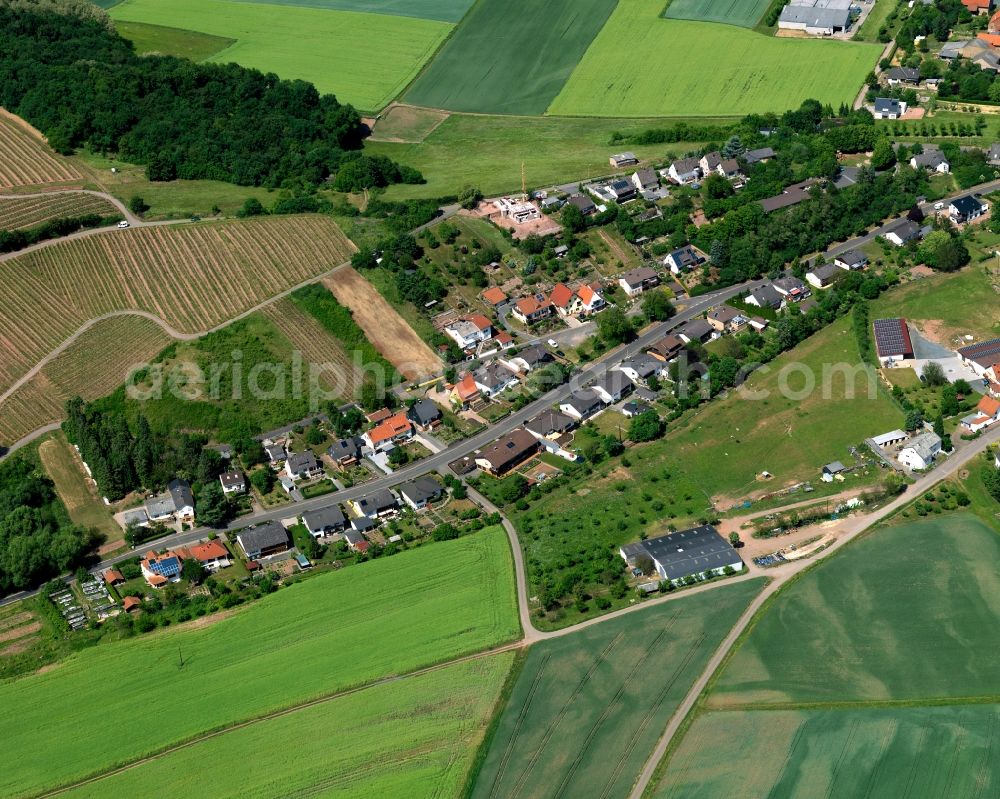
column 81, row 499
column 503, row 61
column 948, row 307
column 441, row 10
column 744, row 13
column 413, row 738
column 94, row 365
column 868, row 31
column 918, row 752
column 906, row 614
column 365, row 59
column 313, row 639
column 746, row 72
column 587, row 708
column 25, row 160
column 17, row 213
column 162, row 40
column 192, row 276
column 552, row 149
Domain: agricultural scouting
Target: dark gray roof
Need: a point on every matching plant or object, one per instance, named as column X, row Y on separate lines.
column 684, row 166
column 424, row 412
column 623, row 187
column 345, row 448
column 263, row 536
column 585, row 401
column 330, row 518
column 930, row 158
column 232, row 479
column 685, row 256
column 907, row 74
column 643, row 364
column 584, row 203
column 827, row 271
column 967, row 204
column 766, row 296
column 378, row 501
column 637, row 277
column 275, row 452
column 852, row 257
column 691, row 551
column 887, row 105
column 181, row 494
column 792, row 195
column 360, row 524
column 905, row 229
column 760, row 154
column 815, row 17
column 614, row 382
column 302, row 461
column 534, row 355
column 697, row 330
column 549, row 422
column 421, row 490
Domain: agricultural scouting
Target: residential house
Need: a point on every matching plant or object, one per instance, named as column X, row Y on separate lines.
column 275, row 454
column 791, row 288
column 424, row 414
column 729, row 168
column 466, row 392
column 582, row 404
column 899, row 76
column 666, row 349
column 987, row 413
column 640, row 367
column 565, row 300
column 346, row 451
column 920, row 451
column 584, row 203
column 263, row 540
column 931, row 159
column 419, row 493
column 494, row 378
column 977, row 7
column 233, row 483
column 632, row 409
column 529, row 310
column 113, row 577
column 902, row 232
column 888, row 108
column 550, row 425
column 131, row 604
column 622, row 190
column 982, row 357
column 325, row 521
column 765, row 296
column 759, row 156
column 377, row 505
column 494, row 297
column 684, row 553
column 303, row 466
column 212, row 555
column 709, row 162
column 470, row 330
column 683, row 260
column 823, row 275
column 158, row 570
column 507, row 452
column 726, row 319
column 792, row 195
column 395, row 429
column 590, row 299
column 176, row 503
column 645, row 180
column 967, row 208
column 531, row 357
column 636, row 281
column 551, row 204
column 612, row 386
column 852, row 260
column 684, row 170
column 518, row 211
column 622, row 160
column 356, row 539
column 697, row 330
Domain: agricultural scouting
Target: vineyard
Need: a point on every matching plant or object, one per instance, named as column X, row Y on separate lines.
column 18, row 213
column 26, row 161
column 93, row 366
column 194, row 277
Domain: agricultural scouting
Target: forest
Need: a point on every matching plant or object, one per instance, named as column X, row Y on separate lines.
column 65, row 70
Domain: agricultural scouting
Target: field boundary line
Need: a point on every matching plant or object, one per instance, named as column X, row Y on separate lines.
column 287, row 711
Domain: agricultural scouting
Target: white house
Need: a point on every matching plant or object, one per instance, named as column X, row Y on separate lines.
column 683, row 260
column 852, row 260
column 636, row 281
column 987, row 414
column 582, row 405
column 888, row 108
column 470, row 330
column 903, row 232
column 176, row 503
column 967, row 208
column 932, row 160
column 920, row 451
column 233, row 483
column 685, row 170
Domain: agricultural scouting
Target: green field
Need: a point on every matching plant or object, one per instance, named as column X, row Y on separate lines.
column 172, row 41
column 917, row 752
column 908, row 613
column 365, row 59
column 868, row 31
column 491, row 150
column 642, row 65
column 947, row 306
column 588, row 708
column 413, row 738
column 744, row 13
column 510, row 60
column 441, row 10
column 118, row 702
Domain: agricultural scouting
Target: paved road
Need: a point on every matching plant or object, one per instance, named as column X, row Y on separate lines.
column 439, row 461
column 781, row 575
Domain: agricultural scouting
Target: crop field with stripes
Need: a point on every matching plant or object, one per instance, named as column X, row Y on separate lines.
column 18, row 213
column 93, row 366
column 27, row 161
column 194, row 277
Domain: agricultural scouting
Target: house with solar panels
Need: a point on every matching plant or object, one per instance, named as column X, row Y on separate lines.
column 161, row 569
column 892, row 341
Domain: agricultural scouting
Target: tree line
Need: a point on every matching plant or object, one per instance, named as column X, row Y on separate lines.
column 14, row 240
column 66, row 71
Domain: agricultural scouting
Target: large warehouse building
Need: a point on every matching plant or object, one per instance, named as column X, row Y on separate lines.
column 892, row 341
column 816, row 17
column 677, row 555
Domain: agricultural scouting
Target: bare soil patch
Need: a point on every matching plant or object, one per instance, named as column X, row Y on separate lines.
column 20, row 632
column 16, row 620
column 388, row 332
column 17, row 648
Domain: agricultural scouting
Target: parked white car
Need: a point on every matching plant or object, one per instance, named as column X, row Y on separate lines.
column 123, row 224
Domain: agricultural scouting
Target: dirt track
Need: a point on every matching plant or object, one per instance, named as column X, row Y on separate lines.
column 388, row 332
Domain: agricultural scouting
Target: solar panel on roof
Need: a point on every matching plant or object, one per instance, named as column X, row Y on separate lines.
column 892, row 337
